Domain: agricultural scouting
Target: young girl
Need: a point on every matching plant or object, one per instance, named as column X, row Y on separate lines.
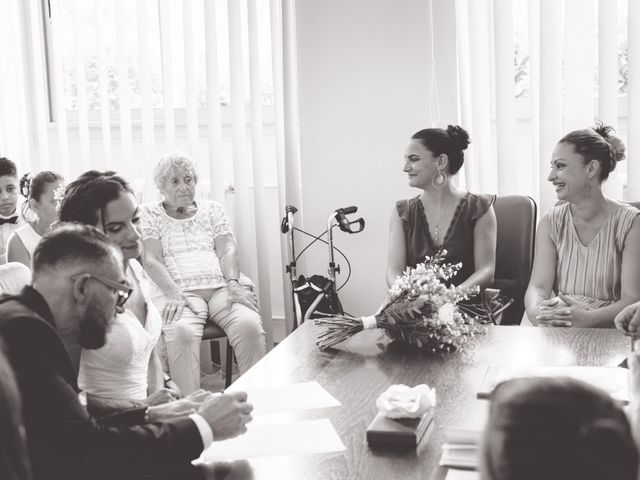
column 39, row 192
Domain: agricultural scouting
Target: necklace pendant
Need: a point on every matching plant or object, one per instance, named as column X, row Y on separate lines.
column 436, row 234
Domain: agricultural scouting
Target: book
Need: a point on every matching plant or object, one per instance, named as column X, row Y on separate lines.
column 613, row 380
column 461, row 448
column 398, row 433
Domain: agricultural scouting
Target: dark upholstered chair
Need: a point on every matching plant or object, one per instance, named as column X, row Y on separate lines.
column 516, row 219
column 214, row 332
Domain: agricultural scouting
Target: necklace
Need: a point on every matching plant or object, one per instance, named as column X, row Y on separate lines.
column 436, row 233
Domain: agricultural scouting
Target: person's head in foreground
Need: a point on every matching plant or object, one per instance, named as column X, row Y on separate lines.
column 79, row 272
column 583, row 159
column 556, row 429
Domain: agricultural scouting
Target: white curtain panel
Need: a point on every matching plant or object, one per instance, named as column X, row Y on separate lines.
column 572, row 51
column 190, row 76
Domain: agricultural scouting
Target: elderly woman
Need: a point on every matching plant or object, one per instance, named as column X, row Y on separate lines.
column 587, row 263
column 191, row 254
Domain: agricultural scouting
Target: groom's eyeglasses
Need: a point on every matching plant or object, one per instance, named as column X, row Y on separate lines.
column 123, row 291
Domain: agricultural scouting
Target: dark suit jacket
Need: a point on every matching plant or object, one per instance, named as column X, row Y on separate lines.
column 64, row 441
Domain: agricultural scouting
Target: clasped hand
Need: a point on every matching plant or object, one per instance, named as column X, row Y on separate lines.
column 179, row 408
column 628, row 320
column 560, row 311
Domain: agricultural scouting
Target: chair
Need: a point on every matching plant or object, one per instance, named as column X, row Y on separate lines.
column 516, row 219
column 13, row 277
column 214, row 332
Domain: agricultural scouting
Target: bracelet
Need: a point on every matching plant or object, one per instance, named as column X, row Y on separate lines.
column 147, row 416
column 233, row 280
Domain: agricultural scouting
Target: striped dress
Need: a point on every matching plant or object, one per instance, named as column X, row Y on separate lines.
column 590, row 274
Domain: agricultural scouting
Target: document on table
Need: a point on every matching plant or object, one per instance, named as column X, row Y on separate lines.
column 613, row 380
column 288, row 398
column 461, row 448
column 272, row 439
column 455, row 474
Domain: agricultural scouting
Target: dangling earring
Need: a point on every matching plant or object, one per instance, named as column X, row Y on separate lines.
column 439, row 180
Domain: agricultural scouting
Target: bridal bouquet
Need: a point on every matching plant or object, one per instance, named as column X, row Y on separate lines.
column 421, row 311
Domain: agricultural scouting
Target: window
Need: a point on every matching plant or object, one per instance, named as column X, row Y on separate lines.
column 521, row 59
column 87, row 35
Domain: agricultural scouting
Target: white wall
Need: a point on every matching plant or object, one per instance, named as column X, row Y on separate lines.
column 363, row 84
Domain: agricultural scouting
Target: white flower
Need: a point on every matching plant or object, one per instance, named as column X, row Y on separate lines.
column 445, row 313
column 58, row 195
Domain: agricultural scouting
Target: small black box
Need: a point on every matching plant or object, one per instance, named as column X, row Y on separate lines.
column 401, row 433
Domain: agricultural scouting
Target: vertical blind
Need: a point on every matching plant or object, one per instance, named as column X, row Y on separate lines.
column 573, row 73
column 194, row 80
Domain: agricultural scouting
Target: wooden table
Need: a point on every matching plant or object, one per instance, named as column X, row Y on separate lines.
column 357, row 381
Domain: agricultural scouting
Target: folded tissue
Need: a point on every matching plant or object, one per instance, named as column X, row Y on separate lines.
column 404, row 414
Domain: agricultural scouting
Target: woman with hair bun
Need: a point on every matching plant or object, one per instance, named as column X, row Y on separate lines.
column 442, row 216
column 587, row 262
column 40, row 202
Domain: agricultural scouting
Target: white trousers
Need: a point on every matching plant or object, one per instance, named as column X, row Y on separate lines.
column 242, row 325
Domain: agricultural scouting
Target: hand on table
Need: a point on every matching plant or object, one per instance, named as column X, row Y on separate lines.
column 560, row 311
column 179, row 408
column 628, row 320
column 227, row 414
column 236, row 293
column 164, row 395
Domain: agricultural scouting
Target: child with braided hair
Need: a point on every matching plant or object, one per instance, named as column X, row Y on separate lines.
column 39, row 192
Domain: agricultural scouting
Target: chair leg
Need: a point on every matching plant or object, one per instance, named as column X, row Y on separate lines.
column 229, row 366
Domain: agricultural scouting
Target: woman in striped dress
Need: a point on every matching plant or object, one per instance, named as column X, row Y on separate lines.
column 587, row 263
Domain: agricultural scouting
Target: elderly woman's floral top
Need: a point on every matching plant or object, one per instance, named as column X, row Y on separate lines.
column 188, row 246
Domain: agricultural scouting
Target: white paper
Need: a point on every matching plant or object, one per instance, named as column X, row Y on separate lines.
column 273, row 439
column 613, row 380
column 455, row 474
column 288, row 398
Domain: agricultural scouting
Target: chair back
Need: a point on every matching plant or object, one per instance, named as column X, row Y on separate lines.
column 13, row 277
column 516, row 220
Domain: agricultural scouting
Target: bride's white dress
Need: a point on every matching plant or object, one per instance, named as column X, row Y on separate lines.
column 119, row 369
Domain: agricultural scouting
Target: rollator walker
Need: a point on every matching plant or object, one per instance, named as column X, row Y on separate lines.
column 317, row 295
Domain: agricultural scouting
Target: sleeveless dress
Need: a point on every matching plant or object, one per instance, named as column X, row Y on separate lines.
column 30, row 238
column 119, row 369
column 458, row 240
column 590, row 274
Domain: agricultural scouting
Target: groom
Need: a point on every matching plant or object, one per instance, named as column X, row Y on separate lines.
column 78, row 286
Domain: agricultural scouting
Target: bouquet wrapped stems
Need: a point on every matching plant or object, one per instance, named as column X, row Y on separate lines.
column 413, row 323
column 422, row 311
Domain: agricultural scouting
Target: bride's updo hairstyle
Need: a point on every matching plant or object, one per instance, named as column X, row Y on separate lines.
column 452, row 142
column 556, row 428
column 86, row 197
column 598, row 143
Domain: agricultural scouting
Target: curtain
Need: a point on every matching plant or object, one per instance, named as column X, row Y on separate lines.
column 530, row 71
column 113, row 84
